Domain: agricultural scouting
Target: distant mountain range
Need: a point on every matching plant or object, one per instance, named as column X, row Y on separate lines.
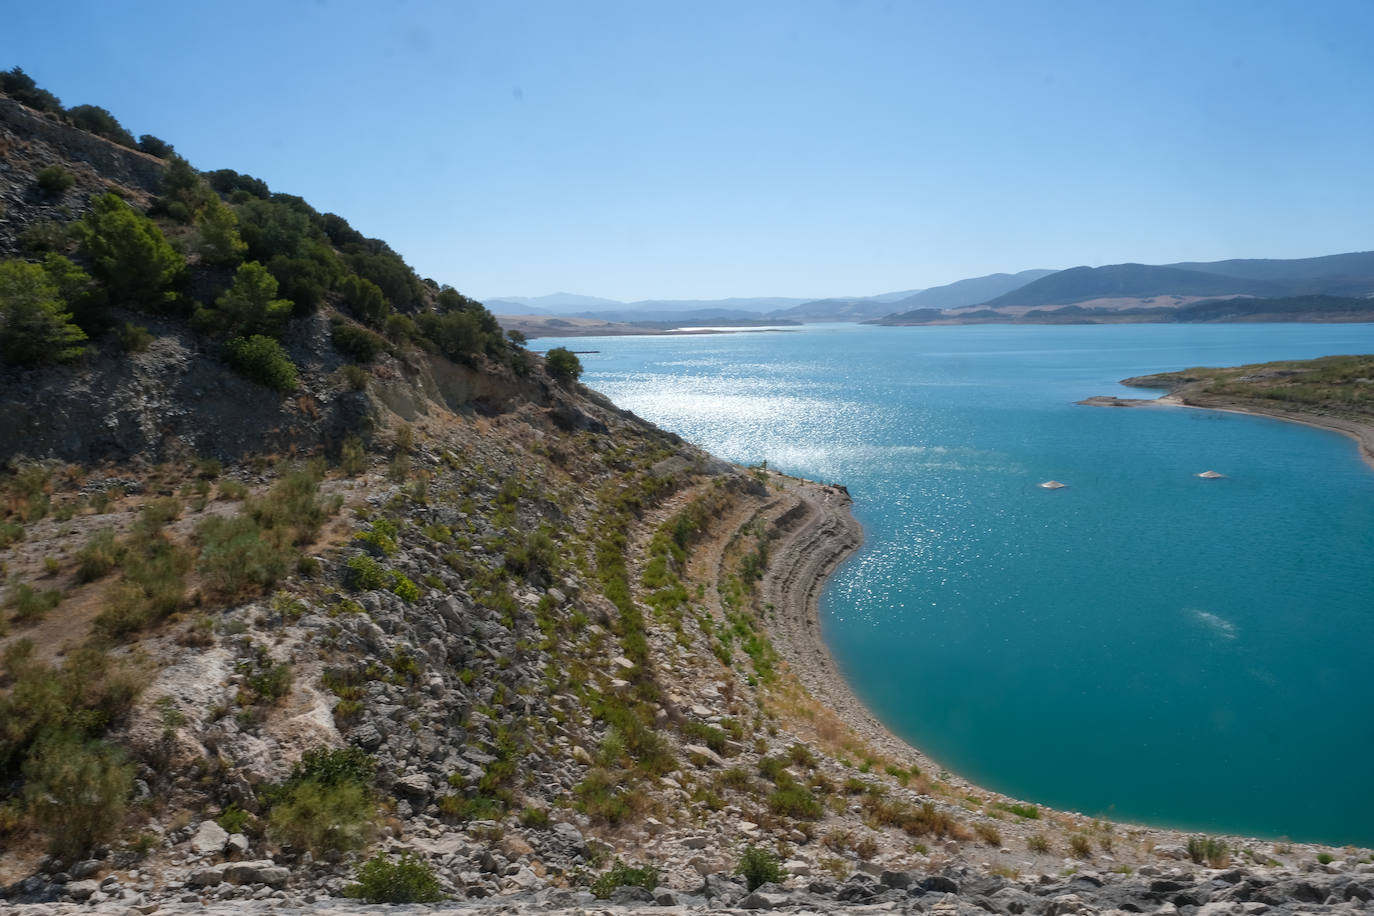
column 1332, row 288
column 1298, row 288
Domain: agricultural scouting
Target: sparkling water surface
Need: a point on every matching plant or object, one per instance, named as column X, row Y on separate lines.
column 1142, row 644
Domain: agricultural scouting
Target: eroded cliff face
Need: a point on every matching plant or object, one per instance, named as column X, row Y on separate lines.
column 31, row 141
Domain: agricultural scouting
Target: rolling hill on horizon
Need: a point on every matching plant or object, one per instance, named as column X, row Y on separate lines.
column 1000, row 296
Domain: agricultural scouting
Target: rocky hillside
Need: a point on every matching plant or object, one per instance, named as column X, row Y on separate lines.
column 433, row 620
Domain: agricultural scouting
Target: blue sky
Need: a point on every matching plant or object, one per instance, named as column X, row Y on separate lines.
column 702, row 150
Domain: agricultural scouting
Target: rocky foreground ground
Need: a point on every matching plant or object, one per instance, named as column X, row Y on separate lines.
column 252, row 888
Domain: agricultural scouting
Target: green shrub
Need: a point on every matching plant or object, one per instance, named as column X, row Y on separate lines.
column 19, row 86
column 366, row 574
column 10, row 533
column 306, row 281
column 326, row 805
column 331, row 767
column 365, row 301
column 134, row 338
column 477, row 808
column 622, row 875
column 30, row 604
column 153, row 146
column 265, row 680
column 250, row 305
column 77, row 791
column 801, row 756
column 381, row 536
column 55, row 180
column 130, row 253
column 795, row 801
column 563, row 364
column 234, row 819
column 404, row 588
column 535, row 818
column 261, row 359
column 758, row 867
column 1325, row 858
column 323, row 818
column 603, row 795
column 352, row 456
column 1081, row 846
column 988, row 833
column 355, row 377
column 1038, row 842
column 219, row 243
column 406, row 880
column 291, row 510
column 237, row 558
column 99, row 121
column 86, row 695
column 153, row 585
column 772, row 767
column 35, row 326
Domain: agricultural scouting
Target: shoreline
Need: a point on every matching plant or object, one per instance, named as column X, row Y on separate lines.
column 813, row 543
column 1361, row 433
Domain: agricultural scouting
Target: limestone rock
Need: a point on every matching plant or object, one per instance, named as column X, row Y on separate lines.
column 209, row 839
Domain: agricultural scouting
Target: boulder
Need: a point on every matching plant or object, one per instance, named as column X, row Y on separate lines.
column 82, row 890
column 263, row 872
column 631, row 893
column 704, row 752
column 205, row 877
column 759, row 900
column 209, row 839
column 939, row 884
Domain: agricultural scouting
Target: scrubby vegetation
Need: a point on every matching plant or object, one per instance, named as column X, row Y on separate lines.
column 622, row 875
column 759, row 866
column 224, row 251
column 1332, row 385
column 405, row 879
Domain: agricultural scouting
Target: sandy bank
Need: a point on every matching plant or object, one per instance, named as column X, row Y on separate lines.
column 816, row 532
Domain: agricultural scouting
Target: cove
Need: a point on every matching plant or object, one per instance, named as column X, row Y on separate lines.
column 1141, row 645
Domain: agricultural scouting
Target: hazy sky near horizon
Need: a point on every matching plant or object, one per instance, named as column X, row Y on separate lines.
column 700, row 150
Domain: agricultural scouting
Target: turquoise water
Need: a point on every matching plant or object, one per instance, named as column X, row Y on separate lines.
column 1142, row 644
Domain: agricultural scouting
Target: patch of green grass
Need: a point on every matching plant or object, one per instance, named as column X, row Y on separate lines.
column 1029, row 812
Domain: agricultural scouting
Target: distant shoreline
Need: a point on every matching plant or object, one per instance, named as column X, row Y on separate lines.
column 557, row 326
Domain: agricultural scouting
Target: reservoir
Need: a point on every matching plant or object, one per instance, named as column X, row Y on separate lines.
column 1141, row 644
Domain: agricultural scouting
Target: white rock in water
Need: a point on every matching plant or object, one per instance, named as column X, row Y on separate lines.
column 1053, row 485
column 1211, row 475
